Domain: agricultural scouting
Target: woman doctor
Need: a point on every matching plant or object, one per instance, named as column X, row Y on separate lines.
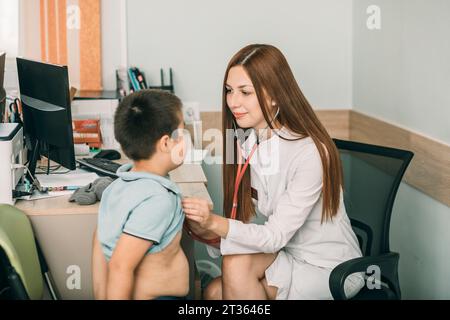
column 288, row 169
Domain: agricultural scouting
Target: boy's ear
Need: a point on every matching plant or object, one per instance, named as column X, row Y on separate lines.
column 163, row 143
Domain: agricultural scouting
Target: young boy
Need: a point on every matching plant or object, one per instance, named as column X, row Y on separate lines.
column 140, row 217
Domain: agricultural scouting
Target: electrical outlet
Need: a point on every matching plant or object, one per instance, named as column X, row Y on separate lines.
column 191, row 112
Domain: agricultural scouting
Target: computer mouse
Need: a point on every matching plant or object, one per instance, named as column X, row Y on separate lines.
column 109, row 154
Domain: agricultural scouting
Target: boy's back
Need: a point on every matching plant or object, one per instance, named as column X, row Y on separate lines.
column 147, row 206
column 140, row 216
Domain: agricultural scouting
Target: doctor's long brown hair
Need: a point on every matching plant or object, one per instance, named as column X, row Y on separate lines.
column 271, row 76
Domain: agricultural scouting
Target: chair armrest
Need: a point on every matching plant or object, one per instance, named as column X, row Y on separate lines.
column 388, row 264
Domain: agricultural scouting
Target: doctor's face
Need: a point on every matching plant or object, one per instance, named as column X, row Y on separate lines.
column 242, row 99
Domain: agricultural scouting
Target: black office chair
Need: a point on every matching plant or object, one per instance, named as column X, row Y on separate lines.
column 372, row 175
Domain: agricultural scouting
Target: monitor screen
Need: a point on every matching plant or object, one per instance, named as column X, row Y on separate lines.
column 44, row 91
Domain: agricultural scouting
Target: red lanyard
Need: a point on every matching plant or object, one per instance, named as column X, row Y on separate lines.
column 239, row 175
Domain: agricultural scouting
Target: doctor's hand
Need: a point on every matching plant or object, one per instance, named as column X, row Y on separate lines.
column 199, row 211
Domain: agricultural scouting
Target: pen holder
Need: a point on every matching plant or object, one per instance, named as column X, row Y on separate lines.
column 169, row 87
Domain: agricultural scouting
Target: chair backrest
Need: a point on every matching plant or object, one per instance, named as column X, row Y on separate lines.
column 18, row 248
column 372, row 175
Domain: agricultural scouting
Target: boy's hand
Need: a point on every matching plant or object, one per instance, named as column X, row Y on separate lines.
column 198, row 210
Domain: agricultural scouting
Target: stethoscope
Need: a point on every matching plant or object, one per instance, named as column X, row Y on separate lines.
column 241, row 169
column 237, row 182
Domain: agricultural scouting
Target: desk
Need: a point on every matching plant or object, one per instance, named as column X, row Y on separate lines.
column 64, row 231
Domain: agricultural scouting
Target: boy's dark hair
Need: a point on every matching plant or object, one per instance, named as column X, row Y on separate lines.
column 142, row 118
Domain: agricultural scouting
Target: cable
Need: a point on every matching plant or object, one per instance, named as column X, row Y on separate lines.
column 52, row 168
column 48, row 159
column 54, row 172
column 36, row 183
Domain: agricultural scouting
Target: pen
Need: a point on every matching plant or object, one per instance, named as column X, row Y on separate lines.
column 62, row 188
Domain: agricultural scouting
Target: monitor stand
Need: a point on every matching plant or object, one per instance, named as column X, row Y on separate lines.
column 35, row 156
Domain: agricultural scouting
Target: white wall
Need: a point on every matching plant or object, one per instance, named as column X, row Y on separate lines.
column 419, row 232
column 113, row 56
column 401, row 73
column 30, row 30
column 197, row 38
column 9, row 39
column 9, row 26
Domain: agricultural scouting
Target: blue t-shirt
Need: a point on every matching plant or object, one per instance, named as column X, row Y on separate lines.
column 141, row 204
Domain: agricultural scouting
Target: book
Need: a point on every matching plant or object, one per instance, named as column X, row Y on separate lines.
column 87, row 131
column 140, row 78
column 133, row 80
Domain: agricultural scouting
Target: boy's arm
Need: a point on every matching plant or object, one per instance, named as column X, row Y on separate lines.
column 126, row 257
column 99, row 270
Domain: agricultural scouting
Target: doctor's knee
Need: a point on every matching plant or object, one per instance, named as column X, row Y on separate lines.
column 214, row 290
column 233, row 265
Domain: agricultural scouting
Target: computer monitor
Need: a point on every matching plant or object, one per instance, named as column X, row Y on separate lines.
column 44, row 91
column 2, row 90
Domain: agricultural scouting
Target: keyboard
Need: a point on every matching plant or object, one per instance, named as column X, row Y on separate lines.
column 102, row 167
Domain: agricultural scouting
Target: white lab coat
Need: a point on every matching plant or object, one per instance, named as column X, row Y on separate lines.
column 288, row 178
